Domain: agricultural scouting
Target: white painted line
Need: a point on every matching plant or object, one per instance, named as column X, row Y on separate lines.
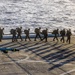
column 33, row 61
column 68, row 72
column 21, row 61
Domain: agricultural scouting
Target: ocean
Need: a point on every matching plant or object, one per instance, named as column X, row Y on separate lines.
column 49, row 14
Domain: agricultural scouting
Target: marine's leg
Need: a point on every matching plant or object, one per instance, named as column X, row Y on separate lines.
column 26, row 38
column 46, row 38
column 12, row 38
column 35, row 37
column 69, row 39
column 15, row 38
column 43, row 37
column 56, row 38
column 29, row 38
column 63, row 39
column 0, row 39
column 21, row 37
column 40, row 37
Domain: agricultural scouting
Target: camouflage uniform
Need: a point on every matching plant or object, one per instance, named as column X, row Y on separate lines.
column 1, row 34
column 55, row 32
column 62, row 32
column 27, row 34
column 45, row 33
column 13, row 32
column 68, row 36
column 37, row 32
column 19, row 32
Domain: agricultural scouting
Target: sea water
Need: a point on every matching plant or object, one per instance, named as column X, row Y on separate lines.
column 49, row 14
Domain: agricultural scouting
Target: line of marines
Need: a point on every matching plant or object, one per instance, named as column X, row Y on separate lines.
column 17, row 33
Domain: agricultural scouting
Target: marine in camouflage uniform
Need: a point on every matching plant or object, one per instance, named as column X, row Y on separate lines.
column 13, row 32
column 37, row 32
column 1, row 34
column 68, row 34
column 45, row 33
column 62, row 33
column 56, row 33
column 27, row 34
column 19, row 32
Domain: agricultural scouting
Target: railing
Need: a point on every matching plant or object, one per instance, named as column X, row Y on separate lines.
column 32, row 35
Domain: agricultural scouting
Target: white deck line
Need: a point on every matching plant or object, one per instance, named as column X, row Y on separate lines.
column 68, row 72
column 21, row 61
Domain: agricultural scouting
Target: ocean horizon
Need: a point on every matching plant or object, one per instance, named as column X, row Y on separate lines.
column 49, row 14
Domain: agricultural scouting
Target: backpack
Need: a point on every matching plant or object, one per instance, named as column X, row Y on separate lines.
column 36, row 30
column 19, row 30
column 53, row 32
column 11, row 31
column 44, row 32
column 26, row 31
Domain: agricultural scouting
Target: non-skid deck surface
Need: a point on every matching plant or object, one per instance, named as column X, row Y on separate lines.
column 38, row 58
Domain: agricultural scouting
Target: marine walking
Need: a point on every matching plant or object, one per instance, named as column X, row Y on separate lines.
column 62, row 33
column 1, row 33
column 56, row 34
column 37, row 32
column 68, row 34
column 13, row 33
column 17, row 33
column 27, row 34
column 45, row 33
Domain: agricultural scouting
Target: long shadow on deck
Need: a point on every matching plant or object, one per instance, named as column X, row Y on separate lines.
column 51, row 52
column 54, row 53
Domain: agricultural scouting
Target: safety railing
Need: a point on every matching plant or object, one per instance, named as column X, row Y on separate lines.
column 32, row 35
